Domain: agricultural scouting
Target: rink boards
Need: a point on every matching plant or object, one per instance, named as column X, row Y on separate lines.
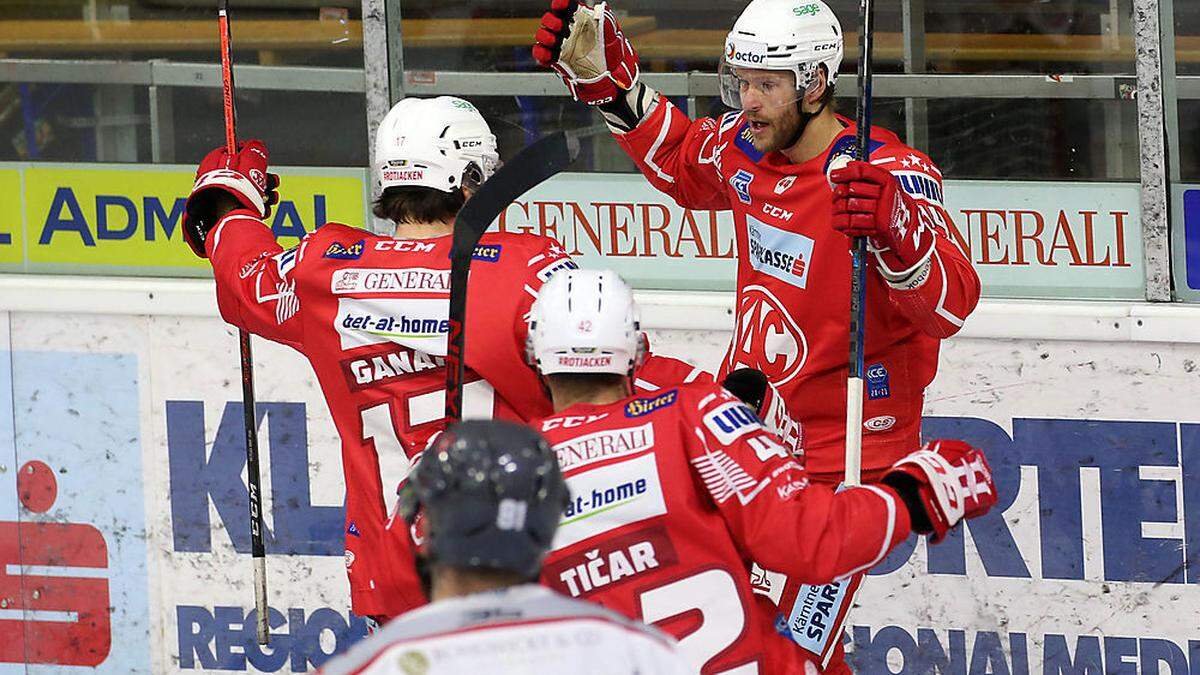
column 1088, row 565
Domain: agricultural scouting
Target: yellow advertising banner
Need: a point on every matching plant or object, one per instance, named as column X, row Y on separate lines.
column 12, row 240
column 128, row 220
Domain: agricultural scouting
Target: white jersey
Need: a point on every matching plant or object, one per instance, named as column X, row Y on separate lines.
column 522, row 630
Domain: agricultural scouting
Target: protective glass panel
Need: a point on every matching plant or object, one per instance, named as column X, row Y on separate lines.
column 1027, row 108
column 98, row 81
column 1185, row 192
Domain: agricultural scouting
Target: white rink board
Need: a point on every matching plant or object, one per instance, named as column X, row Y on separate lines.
column 157, row 443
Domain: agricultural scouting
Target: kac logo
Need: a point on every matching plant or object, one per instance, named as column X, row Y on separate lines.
column 767, row 338
column 740, row 182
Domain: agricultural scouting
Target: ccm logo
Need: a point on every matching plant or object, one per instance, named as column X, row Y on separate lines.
column 777, row 212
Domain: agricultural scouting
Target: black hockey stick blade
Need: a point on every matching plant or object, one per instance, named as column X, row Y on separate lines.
column 536, row 163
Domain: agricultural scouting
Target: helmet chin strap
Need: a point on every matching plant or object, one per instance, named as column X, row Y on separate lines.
column 805, row 118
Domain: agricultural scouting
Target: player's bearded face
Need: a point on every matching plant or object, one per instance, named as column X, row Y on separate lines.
column 770, row 101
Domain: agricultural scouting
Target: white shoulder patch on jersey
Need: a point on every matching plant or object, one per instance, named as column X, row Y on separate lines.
column 731, row 421
column 548, row 271
column 920, row 185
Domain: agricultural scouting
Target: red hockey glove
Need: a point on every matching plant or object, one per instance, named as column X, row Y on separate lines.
column 588, row 49
column 225, row 182
column 868, row 202
column 943, row 483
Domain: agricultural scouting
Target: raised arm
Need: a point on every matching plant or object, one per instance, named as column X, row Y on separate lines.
column 587, row 48
column 813, row 533
column 780, row 520
column 255, row 281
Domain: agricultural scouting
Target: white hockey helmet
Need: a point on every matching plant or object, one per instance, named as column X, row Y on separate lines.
column 434, row 142
column 795, row 35
column 585, row 321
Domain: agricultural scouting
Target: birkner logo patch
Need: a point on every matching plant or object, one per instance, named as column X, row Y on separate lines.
column 644, row 406
column 487, row 252
column 340, row 251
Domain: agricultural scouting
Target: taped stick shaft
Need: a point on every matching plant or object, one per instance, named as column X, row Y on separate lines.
column 858, row 278
column 854, row 420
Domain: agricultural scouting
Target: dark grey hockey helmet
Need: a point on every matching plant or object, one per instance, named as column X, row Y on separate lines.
column 491, row 493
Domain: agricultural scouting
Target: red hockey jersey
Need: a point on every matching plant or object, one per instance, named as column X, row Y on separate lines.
column 674, row 493
column 369, row 314
column 793, row 276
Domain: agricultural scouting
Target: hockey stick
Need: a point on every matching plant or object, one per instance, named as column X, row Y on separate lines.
column 858, row 278
column 250, row 420
column 840, row 594
column 536, row 163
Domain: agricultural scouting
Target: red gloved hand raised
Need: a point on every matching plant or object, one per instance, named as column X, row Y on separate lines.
column 225, row 182
column 588, row 49
column 868, row 202
column 944, row 482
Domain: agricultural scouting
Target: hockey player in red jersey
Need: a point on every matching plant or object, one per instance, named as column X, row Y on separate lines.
column 779, row 161
column 673, row 493
column 369, row 312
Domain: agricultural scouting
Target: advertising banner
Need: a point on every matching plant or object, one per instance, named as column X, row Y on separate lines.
column 1088, row 563
column 125, row 454
column 73, row 542
column 119, row 219
column 1185, row 244
column 1027, row 239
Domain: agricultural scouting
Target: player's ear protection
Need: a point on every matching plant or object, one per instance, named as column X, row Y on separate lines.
column 472, row 177
column 530, row 356
column 643, row 347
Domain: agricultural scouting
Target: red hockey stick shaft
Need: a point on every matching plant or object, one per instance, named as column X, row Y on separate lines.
column 250, row 419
